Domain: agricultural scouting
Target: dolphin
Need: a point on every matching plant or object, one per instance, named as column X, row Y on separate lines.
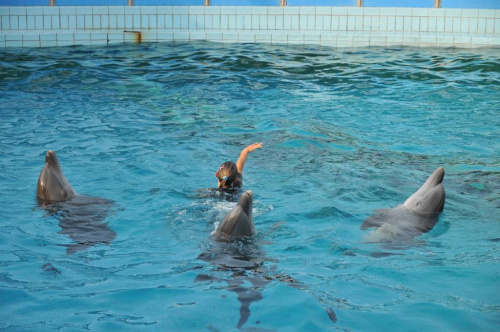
column 80, row 217
column 238, row 222
column 52, row 184
column 429, row 199
column 242, row 265
column 417, row 215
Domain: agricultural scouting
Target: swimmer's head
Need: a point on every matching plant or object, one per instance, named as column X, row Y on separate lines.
column 227, row 174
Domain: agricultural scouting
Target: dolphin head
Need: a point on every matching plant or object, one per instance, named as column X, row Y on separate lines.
column 429, row 199
column 52, row 184
column 245, row 202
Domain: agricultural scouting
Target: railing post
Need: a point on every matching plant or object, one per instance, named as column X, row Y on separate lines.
column 52, row 2
column 359, row 3
column 437, row 3
column 130, row 2
column 282, row 3
column 207, row 3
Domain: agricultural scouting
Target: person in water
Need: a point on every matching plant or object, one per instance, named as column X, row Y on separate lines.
column 230, row 175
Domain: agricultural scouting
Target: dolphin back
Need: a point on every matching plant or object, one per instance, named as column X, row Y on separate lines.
column 397, row 224
column 377, row 219
column 82, row 219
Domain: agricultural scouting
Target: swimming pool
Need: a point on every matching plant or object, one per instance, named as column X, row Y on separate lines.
column 345, row 132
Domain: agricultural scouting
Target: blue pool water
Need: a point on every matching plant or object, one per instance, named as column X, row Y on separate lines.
column 345, row 132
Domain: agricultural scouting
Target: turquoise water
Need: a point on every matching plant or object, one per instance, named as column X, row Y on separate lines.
column 345, row 132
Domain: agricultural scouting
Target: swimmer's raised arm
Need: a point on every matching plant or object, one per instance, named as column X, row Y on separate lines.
column 243, row 155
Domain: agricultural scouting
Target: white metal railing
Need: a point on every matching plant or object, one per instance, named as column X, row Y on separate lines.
column 283, row 3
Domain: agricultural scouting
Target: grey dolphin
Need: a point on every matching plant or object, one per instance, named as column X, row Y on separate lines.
column 80, row 217
column 52, row 184
column 238, row 222
column 417, row 215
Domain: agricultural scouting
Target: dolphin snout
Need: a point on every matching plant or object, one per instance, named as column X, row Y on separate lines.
column 439, row 175
column 50, row 156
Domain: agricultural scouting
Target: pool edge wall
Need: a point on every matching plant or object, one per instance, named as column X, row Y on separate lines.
column 44, row 26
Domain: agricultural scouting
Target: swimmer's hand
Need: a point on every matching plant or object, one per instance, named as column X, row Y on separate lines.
column 253, row 146
column 243, row 156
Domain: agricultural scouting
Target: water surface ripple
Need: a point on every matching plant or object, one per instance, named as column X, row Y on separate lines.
column 345, row 132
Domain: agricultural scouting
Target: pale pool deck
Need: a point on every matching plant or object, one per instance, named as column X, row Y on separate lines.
column 330, row 26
